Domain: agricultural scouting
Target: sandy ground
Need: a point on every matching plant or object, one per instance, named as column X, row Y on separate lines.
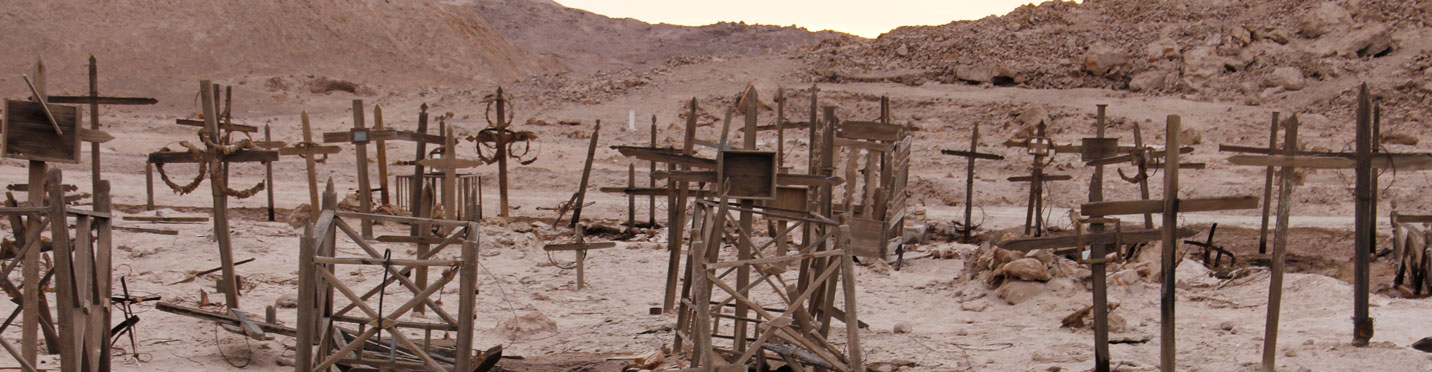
column 958, row 324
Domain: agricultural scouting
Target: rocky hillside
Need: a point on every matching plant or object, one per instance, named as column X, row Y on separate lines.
column 586, row 42
column 1207, row 49
column 162, row 47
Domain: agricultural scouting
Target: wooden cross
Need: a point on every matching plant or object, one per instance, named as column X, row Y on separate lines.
column 359, row 136
column 309, row 151
column 1170, row 207
column 500, row 138
column 269, row 144
column 1267, row 180
column 1364, row 161
column 94, row 100
column 973, row 154
column 1042, row 148
column 450, row 164
column 575, row 202
column 580, row 247
column 216, row 155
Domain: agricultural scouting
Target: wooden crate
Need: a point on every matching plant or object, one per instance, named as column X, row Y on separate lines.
column 791, row 200
column 28, row 135
column 751, row 174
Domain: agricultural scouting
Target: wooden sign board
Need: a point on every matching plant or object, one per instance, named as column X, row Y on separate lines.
column 749, row 174
column 867, row 237
column 29, row 135
column 1098, row 148
column 790, row 201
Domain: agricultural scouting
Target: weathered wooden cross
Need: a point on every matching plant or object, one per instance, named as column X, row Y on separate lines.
column 212, row 157
column 1042, row 149
column 973, row 154
column 309, row 151
column 94, row 100
column 578, row 198
column 499, row 138
column 581, row 246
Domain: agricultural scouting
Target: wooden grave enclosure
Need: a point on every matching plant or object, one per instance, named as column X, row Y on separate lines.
column 877, row 162
column 369, row 329
column 213, row 158
column 1410, row 241
column 468, row 185
column 79, row 329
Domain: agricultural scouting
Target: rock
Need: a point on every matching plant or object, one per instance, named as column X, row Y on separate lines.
column 1389, row 138
column 1192, row 274
column 1424, row 345
column 1190, row 136
column 1323, row 19
column 915, row 233
column 902, row 328
column 286, row 301
column 1240, row 35
column 1202, row 64
column 765, row 92
column 1149, row 81
column 1027, row 269
column 974, row 306
column 283, row 361
column 1015, row 292
column 1125, row 277
column 1371, row 41
column 980, row 74
column 1287, row 77
column 300, row 216
column 1044, row 256
column 1161, row 49
column 878, row 266
column 1226, row 326
column 1104, row 60
column 527, row 326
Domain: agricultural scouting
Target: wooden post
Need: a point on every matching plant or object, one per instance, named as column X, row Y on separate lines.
column 1280, row 247
column 1268, row 187
column 1167, row 352
column 229, row 284
column 1097, row 253
column 94, row 123
column 268, row 176
column 744, row 245
column 676, row 208
column 575, row 204
column 1143, row 167
column 970, row 183
column 66, row 272
column 1365, row 221
column 631, row 199
column 148, row 185
column 360, row 151
column 382, row 157
column 311, row 167
column 502, row 155
column 651, row 181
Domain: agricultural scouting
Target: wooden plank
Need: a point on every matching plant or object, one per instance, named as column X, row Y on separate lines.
column 242, row 156
column 165, row 219
column 578, row 246
column 418, row 137
column 1092, row 238
column 864, row 145
column 1129, row 157
column 1123, row 207
column 218, row 182
column 1403, row 162
column 231, row 127
column 102, row 100
column 147, row 230
column 1407, row 218
column 669, row 156
column 431, row 239
column 28, row 133
column 869, row 130
column 972, row 154
column 1045, row 178
column 191, row 312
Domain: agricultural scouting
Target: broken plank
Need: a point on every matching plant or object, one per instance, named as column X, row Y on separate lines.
column 869, row 130
column 242, row 156
column 1104, row 237
column 578, row 246
column 669, row 156
column 221, row 318
column 1046, row 178
column 1123, row 207
column 165, row 219
column 971, row 154
column 146, row 230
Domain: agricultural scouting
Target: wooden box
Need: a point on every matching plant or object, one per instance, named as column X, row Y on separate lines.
column 27, row 133
column 1099, row 148
column 790, row 201
column 867, row 237
column 749, row 174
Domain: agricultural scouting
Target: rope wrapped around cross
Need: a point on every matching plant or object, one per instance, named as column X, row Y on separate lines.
column 200, row 155
column 488, row 138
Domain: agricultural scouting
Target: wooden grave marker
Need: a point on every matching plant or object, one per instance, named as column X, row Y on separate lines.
column 578, row 198
column 972, row 155
column 212, row 159
column 309, row 151
column 94, row 100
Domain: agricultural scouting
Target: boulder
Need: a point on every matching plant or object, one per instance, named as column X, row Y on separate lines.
column 1015, row 292
column 1161, row 49
column 1149, row 81
column 1104, row 60
column 1323, row 19
column 1027, row 269
column 1287, row 77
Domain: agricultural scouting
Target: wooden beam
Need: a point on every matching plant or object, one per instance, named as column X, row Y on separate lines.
column 972, row 154
column 578, row 246
column 1092, row 238
column 242, row 156
column 869, row 130
column 103, row 100
column 1403, row 162
column 1046, row 178
column 226, row 126
column 670, row 156
column 1123, row 207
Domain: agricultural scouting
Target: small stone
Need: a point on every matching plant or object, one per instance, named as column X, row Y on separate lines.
column 1226, row 326
column 1290, row 352
column 975, row 306
column 283, row 362
column 1104, row 60
column 962, row 332
column 287, row 301
column 1286, row 77
column 1015, row 292
column 902, row 328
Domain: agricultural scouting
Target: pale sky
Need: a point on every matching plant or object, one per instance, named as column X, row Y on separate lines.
column 868, row 18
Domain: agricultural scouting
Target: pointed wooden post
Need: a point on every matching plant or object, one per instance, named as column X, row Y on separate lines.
column 1268, row 187
column 502, row 155
column 575, row 203
column 94, row 123
column 744, row 247
column 1097, row 253
column 651, row 200
column 676, row 213
column 360, row 150
column 382, row 157
column 309, row 151
column 148, row 185
column 30, row 265
column 268, row 175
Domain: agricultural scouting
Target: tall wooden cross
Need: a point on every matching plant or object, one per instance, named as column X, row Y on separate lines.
column 269, row 144
column 214, row 155
column 359, row 136
column 309, row 151
column 501, row 139
column 575, row 202
column 94, row 100
column 450, row 165
column 1267, row 179
column 972, row 155
column 1364, row 161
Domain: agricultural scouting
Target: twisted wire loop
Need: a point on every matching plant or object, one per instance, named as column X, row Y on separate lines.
column 200, row 155
column 305, row 146
column 487, row 145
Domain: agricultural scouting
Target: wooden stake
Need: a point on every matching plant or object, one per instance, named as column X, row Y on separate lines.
column 268, row 176
column 502, row 155
column 651, row 199
column 1268, row 187
column 148, row 185
column 1097, row 253
column 94, row 124
column 1280, row 248
column 229, row 284
column 360, row 150
column 382, row 157
column 1365, row 221
column 1167, row 352
column 676, row 210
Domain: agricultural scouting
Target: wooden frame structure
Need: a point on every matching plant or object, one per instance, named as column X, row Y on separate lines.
column 81, row 275
column 362, row 344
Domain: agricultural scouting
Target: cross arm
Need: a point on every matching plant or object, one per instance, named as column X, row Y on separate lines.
column 1045, row 178
column 578, row 246
column 242, row 156
column 103, row 100
column 1130, row 157
column 661, row 155
column 972, row 154
column 1123, row 207
column 1091, row 238
column 225, row 126
column 1406, row 162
